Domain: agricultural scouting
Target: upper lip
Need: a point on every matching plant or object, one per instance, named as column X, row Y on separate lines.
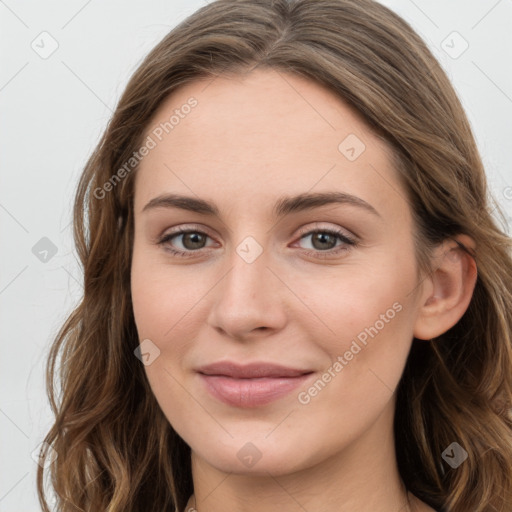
column 251, row 370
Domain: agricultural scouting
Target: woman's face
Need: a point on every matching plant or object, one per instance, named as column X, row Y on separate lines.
column 299, row 254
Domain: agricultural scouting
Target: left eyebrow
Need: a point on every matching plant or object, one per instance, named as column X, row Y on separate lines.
column 283, row 206
column 308, row 201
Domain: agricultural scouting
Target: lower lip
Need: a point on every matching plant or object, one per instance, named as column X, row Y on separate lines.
column 251, row 392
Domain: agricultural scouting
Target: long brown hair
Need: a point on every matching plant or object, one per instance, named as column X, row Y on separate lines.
column 115, row 448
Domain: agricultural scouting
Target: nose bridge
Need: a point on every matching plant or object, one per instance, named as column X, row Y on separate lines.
column 248, row 258
column 247, row 280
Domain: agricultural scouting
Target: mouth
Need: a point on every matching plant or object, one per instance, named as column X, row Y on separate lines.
column 251, row 385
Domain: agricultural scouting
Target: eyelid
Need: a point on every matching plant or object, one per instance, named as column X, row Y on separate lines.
column 336, row 228
column 302, row 231
column 180, row 228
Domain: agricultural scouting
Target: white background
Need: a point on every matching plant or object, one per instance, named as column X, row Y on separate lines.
column 53, row 111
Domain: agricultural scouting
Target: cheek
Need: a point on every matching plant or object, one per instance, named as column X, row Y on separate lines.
column 162, row 308
column 162, row 296
column 372, row 319
column 357, row 301
column 364, row 320
column 167, row 303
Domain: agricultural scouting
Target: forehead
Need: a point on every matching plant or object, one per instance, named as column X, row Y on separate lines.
column 248, row 136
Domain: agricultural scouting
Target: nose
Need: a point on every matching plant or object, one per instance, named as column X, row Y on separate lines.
column 249, row 301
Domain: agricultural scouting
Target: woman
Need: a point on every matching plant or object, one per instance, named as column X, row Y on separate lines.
column 295, row 295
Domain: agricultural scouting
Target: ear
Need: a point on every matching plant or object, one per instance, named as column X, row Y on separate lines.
column 448, row 289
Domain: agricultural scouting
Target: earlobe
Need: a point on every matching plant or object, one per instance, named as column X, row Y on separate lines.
column 452, row 282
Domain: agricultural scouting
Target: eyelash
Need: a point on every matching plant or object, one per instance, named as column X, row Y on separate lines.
column 349, row 242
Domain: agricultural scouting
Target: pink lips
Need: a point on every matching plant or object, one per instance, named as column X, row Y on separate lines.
column 250, row 385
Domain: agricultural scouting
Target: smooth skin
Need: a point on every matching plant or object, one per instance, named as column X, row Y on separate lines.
column 251, row 140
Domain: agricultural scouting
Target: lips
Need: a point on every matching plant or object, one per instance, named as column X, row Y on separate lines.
column 251, row 370
column 250, row 385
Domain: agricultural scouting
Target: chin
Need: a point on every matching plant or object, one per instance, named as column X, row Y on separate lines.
column 256, row 458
